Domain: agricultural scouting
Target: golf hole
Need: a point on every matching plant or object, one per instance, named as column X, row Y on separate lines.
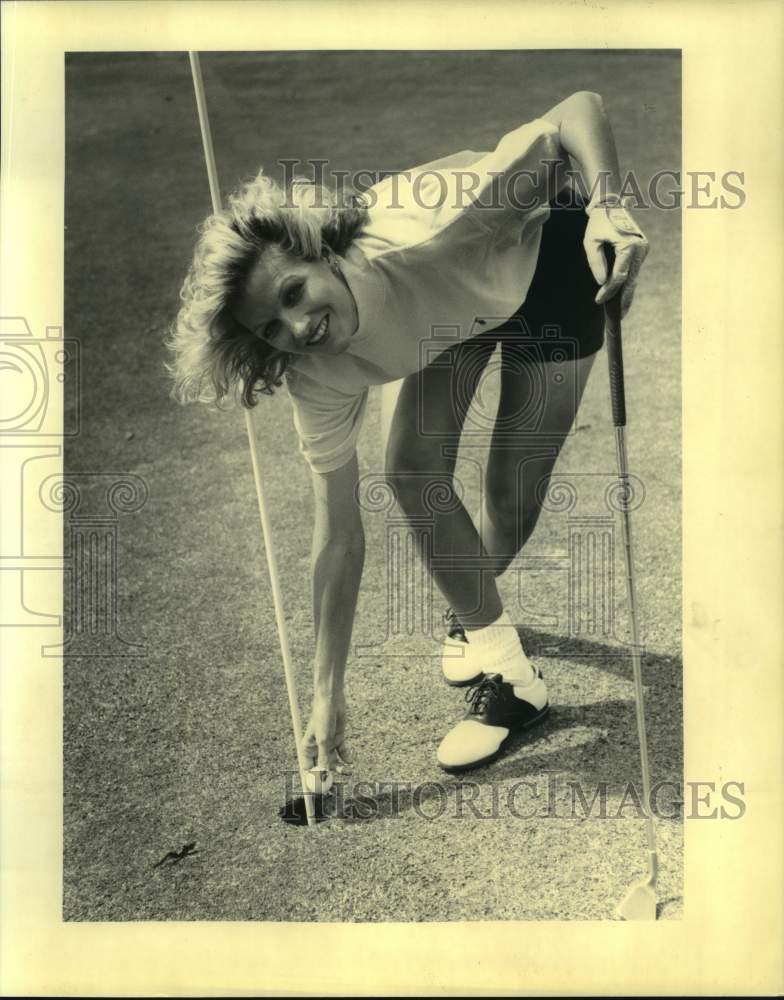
column 294, row 811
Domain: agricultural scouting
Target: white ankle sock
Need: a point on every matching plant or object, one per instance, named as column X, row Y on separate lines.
column 501, row 641
column 500, row 633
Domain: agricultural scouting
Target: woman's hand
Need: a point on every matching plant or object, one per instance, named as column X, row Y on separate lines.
column 609, row 222
column 585, row 134
column 324, row 742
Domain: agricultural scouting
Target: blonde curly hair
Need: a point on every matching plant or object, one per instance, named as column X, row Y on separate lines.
column 211, row 353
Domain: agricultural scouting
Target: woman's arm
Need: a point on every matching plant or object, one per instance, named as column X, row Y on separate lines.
column 338, row 557
column 587, row 137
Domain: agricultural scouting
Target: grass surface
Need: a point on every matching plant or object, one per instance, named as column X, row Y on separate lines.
column 191, row 741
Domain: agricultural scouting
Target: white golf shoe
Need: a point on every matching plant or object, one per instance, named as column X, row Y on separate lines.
column 496, row 710
column 465, row 662
column 458, row 661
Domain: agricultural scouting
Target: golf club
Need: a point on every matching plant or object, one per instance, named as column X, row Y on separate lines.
column 639, row 902
column 272, row 566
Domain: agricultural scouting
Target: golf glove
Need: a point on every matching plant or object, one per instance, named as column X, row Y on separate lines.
column 609, row 221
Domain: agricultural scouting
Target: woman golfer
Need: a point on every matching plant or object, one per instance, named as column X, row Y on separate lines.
column 332, row 294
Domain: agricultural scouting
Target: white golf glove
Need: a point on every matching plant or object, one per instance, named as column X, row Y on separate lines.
column 609, row 221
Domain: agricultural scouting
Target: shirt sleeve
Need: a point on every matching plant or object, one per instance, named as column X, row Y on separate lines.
column 327, row 421
column 505, row 189
column 515, row 182
column 530, row 148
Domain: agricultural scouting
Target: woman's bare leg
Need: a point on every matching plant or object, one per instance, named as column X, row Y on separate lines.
column 520, row 460
column 426, row 427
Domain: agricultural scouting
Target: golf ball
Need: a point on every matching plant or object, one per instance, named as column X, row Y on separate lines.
column 318, row 781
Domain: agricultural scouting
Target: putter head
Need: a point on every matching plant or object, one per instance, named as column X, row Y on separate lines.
column 639, row 903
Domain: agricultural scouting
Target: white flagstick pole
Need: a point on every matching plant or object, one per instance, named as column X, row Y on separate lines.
column 272, row 566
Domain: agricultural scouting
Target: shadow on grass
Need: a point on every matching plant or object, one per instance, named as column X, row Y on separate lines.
column 615, row 658
column 610, row 759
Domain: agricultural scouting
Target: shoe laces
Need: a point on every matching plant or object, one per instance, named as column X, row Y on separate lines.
column 453, row 627
column 480, row 695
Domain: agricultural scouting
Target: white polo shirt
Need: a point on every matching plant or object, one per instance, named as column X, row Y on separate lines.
column 447, row 244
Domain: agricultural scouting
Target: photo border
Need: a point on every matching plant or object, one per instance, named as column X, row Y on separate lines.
column 729, row 939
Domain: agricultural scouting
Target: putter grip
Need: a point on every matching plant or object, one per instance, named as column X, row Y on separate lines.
column 612, row 336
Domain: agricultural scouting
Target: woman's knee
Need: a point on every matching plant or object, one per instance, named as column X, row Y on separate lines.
column 414, row 467
column 514, row 508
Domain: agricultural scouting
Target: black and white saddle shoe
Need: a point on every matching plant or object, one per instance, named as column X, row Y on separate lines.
column 496, row 711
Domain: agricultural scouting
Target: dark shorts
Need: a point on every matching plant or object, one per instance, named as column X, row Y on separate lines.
column 559, row 319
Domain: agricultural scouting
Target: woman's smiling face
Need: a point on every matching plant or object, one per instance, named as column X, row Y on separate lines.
column 297, row 306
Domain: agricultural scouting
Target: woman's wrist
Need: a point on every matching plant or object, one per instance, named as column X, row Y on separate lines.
column 603, row 199
column 329, row 670
column 586, row 135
